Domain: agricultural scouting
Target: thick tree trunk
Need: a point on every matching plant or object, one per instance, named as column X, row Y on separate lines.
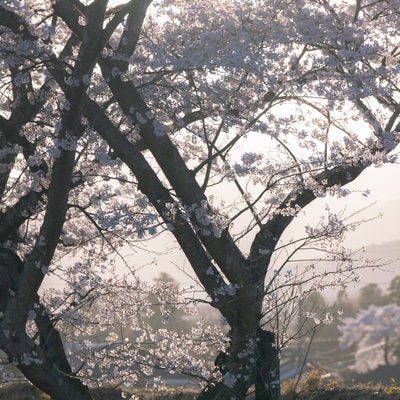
column 251, row 358
column 244, row 365
column 46, row 364
column 237, row 366
column 57, row 385
column 46, row 367
column 267, row 379
column 251, row 355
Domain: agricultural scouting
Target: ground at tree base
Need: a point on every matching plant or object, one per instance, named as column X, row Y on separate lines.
column 345, row 393
column 25, row 391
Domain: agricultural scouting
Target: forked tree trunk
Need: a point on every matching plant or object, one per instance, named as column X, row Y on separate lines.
column 238, row 368
column 244, row 365
column 251, row 358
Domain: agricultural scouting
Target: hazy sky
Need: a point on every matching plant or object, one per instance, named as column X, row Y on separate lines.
column 384, row 198
column 381, row 235
column 384, row 186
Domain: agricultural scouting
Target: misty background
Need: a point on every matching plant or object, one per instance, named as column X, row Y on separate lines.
column 375, row 194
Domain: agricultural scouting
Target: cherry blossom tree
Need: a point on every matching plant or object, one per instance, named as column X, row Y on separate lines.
column 214, row 123
column 375, row 334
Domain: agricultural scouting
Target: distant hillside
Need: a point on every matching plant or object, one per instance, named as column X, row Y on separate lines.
column 389, row 253
column 388, row 250
column 383, row 228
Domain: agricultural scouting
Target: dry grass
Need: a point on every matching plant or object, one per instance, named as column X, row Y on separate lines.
column 311, row 389
column 345, row 393
column 25, row 391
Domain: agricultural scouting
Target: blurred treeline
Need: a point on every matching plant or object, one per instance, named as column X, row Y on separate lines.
column 319, row 342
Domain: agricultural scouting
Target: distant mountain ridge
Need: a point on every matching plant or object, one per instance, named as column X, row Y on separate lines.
column 383, row 228
column 389, row 254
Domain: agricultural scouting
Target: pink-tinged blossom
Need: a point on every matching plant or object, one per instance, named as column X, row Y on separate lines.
column 239, row 113
column 375, row 333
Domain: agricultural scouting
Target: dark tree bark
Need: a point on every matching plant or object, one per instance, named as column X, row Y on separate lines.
column 267, row 385
column 44, row 364
column 234, row 282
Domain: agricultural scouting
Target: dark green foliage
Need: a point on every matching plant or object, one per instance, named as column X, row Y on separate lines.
column 371, row 294
column 394, row 291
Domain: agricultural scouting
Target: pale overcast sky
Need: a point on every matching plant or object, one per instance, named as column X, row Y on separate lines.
column 384, row 198
column 384, row 185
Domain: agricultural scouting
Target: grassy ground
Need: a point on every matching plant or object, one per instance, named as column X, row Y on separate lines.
column 339, row 392
column 346, row 393
column 25, row 391
column 313, row 387
column 313, row 391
